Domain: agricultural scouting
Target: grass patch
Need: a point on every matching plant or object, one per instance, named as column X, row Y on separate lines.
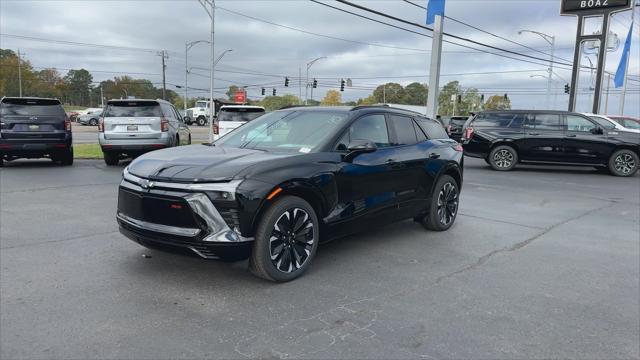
column 87, row 151
column 73, row 108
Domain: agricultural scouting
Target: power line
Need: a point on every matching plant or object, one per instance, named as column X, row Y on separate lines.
column 75, row 43
column 447, row 34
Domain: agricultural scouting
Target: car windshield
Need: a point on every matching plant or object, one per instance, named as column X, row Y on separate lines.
column 299, row 131
column 239, row 114
column 25, row 107
column 458, row 121
column 603, row 122
column 133, row 109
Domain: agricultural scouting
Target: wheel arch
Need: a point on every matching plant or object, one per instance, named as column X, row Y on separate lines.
column 500, row 142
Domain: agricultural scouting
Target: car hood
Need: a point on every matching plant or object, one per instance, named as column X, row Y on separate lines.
column 199, row 163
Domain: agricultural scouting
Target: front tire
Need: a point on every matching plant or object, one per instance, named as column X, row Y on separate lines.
column 111, row 158
column 624, row 163
column 93, row 122
column 201, row 121
column 503, row 158
column 286, row 240
column 444, row 205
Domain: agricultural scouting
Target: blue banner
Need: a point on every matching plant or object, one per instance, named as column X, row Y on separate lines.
column 622, row 67
column 434, row 7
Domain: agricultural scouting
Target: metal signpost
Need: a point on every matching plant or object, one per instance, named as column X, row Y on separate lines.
column 585, row 9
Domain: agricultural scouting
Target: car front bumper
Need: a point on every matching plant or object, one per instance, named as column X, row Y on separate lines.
column 169, row 217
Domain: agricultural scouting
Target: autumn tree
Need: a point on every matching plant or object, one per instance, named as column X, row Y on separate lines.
column 498, row 102
column 332, row 98
column 392, row 93
column 271, row 103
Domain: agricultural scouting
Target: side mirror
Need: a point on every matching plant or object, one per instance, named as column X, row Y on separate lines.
column 597, row 131
column 357, row 147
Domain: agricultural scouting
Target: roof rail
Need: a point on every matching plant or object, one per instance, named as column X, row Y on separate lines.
column 368, row 106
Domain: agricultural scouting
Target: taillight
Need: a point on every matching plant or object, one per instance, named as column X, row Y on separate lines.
column 468, row 133
column 164, row 125
column 67, row 124
column 101, row 124
column 449, row 129
column 215, row 129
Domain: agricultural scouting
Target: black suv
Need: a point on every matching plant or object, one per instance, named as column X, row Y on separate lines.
column 505, row 138
column 454, row 129
column 273, row 188
column 34, row 128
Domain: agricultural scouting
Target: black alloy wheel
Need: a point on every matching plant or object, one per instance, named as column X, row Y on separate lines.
column 503, row 158
column 286, row 240
column 444, row 205
column 624, row 163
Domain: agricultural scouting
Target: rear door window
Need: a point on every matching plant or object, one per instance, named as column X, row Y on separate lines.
column 405, row 133
column 32, row 107
column 544, row 122
column 133, row 109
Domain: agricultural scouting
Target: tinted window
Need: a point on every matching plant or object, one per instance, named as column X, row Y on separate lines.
column 458, row 120
column 421, row 136
column 578, row 123
column 433, row 129
column 300, row 131
column 31, row 107
column 628, row 123
column 403, row 127
column 505, row 120
column 133, row 109
column 604, row 122
column 544, row 122
column 370, row 127
column 239, row 114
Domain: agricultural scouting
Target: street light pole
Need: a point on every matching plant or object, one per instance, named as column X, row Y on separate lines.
column 211, row 11
column 187, row 47
column 552, row 42
column 309, row 64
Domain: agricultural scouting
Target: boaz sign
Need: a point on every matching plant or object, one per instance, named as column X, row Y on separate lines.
column 588, row 7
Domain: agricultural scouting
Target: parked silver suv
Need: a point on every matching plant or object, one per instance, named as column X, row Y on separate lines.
column 132, row 127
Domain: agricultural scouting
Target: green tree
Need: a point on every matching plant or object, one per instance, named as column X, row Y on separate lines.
column 271, row 103
column 332, row 98
column 370, row 100
column 445, row 102
column 497, row 102
column 470, row 102
column 415, row 94
column 390, row 93
column 9, row 80
column 78, row 83
column 49, row 83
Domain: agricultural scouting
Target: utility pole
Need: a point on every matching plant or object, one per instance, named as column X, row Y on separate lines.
column 101, row 97
column 623, row 94
column 164, row 84
column 300, row 83
column 186, row 76
column 19, row 74
column 606, row 99
column 434, row 70
column 309, row 64
column 210, row 7
column 384, row 93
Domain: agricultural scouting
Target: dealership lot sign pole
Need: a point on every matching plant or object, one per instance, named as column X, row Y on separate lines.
column 585, row 9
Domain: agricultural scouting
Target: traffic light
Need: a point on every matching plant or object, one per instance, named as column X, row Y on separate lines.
column 315, row 83
column 274, row 92
column 342, row 85
column 567, row 88
column 482, row 98
column 262, row 91
column 459, row 99
column 286, row 82
column 506, row 97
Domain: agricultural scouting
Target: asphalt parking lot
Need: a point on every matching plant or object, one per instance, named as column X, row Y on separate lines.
column 84, row 134
column 541, row 263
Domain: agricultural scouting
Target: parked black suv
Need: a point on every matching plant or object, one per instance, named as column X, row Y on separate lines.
column 34, row 128
column 456, row 123
column 273, row 188
column 505, row 138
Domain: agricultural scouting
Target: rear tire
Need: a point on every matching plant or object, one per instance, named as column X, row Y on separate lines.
column 283, row 249
column 444, row 205
column 66, row 158
column 111, row 158
column 624, row 162
column 189, row 139
column 503, row 158
column 93, row 122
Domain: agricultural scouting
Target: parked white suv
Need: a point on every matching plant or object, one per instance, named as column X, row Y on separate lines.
column 233, row 116
column 133, row 127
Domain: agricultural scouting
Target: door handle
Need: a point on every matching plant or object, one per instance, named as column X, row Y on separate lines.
column 570, row 135
column 533, row 134
column 434, row 156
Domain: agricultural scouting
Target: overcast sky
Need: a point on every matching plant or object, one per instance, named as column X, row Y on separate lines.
column 275, row 52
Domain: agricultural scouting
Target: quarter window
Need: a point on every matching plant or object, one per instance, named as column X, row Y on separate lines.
column 405, row 132
column 578, row 123
column 433, row 129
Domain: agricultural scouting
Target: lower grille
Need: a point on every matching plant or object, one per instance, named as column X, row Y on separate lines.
column 230, row 217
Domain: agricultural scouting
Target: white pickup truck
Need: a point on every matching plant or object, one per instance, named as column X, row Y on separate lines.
column 233, row 116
